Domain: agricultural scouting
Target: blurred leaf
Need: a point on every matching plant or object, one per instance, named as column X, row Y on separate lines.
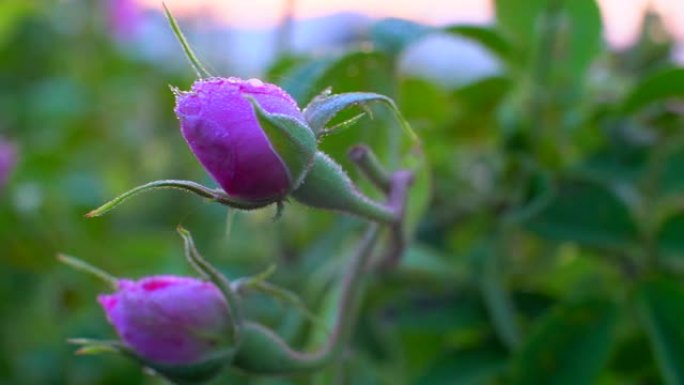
column 424, row 104
column 619, row 164
column 484, row 94
column 495, row 294
column 465, row 367
column 354, row 71
column 488, row 37
column 569, row 347
column 440, row 315
column 276, row 72
column 672, row 178
column 518, row 19
column 585, row 212
column 655, row 88
column 299, row 78
column 669, row 237
column 420, row 259
column 662, row 308
column 393, row 35
column 583, row 39
column 11, row 12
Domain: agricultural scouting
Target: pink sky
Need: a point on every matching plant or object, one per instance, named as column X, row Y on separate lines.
column 621, row 17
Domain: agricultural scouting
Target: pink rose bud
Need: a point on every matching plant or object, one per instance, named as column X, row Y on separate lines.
column 169, row 320
column 221, row 126
column 8, row 158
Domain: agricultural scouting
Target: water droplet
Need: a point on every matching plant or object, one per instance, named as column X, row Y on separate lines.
column 255, row 82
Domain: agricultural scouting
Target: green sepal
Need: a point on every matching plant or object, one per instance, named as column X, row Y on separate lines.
column 184, row 185
column 89, row 346
column 292, row 140
column 325, row 106
column 265, row 353
column 219, row 280
column 194, row 373
column 85, row 267
column 259, row 284
column 327, row 186
column 194, row 62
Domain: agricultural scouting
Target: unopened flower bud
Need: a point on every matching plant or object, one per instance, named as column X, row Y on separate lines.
column 219, row 122
column 169, row 320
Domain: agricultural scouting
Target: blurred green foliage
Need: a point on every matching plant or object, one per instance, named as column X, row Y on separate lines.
column 550, row 253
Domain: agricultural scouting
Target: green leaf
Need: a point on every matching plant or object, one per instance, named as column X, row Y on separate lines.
column 465, row 367
column 661, row 86
column 672, row 179
column 300, row 79
column 585, row 212
column 292, row 140
column 583, row 37
column 440, row 314
column 424, row 104
column 487, row 37
column 569, row 347
column 518, row 19
column 662, row 308
column 670, row 237
column 497, row 298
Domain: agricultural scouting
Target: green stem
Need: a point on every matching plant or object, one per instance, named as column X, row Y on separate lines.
column 264, row 352
column 370, row 166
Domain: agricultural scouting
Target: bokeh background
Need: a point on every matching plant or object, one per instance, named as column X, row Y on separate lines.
column 550, row 245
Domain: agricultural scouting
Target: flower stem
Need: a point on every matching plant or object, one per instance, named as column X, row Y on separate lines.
column 370, row 166
column 264, row 352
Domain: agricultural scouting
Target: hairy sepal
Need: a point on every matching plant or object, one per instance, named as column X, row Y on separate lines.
column 325, row 106
column 292, row 140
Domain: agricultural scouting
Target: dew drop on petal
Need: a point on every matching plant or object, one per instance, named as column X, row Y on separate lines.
column 255, row 83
